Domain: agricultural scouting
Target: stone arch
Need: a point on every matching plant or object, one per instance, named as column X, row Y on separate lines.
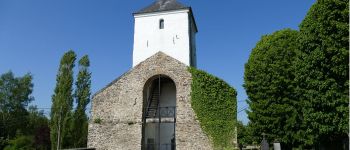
column 151, row 76
column 159, row 113
column 154, row 76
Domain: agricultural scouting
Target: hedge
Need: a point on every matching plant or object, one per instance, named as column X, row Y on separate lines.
column 214, row 102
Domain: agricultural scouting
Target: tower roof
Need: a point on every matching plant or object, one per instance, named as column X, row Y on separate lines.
column 162, row 5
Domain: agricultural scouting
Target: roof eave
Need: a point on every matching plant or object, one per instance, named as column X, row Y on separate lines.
column 194, row 20
column 138, row 13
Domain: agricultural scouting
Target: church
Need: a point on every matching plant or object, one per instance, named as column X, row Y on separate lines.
column 149, row 106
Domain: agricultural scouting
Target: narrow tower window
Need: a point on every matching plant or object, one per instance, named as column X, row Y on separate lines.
column 161, row 24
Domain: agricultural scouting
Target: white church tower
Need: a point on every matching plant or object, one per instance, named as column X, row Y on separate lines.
column 167, row 26
column 149, row 106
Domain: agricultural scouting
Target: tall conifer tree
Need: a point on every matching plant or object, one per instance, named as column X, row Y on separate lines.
column 82, row 97
column 62, row 101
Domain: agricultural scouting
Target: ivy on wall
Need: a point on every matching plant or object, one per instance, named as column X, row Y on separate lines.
column 215, row 104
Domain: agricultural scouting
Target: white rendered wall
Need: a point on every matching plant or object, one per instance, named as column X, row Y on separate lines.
column 173, row 40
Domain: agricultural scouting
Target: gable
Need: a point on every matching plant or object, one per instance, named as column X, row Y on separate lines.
column 156, row 64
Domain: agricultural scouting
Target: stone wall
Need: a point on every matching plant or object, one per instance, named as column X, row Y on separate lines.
column 119, row 107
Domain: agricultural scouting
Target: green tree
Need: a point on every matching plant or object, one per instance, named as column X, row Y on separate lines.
column 82, row 97
column 244, row 134
column 36, row 119
column 38, row 128
column 15, row 95
column 62, row 103
column 322, row 72
column 34, row 136
column 21, row 142
column 268, row 80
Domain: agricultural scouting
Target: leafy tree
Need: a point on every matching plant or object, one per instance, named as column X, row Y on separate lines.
column 268, row 80
column 36, row 119
column 42, row 138
column 244, row 134
column 322, row 73
column 34, row 137
column 15, row 94
column 38, row 128
column 62, row 103
column 82, row 97
column 21, row 142
column 3, row 142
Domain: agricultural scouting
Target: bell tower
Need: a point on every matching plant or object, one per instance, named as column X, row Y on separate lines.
column 149, row 106
column 167, row 26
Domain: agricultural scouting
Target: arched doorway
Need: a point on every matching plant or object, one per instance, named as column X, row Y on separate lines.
column 159, row 114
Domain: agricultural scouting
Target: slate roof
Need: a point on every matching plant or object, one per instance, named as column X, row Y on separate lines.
column 162, row 5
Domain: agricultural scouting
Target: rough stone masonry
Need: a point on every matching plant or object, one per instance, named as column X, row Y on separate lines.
column 116, row 117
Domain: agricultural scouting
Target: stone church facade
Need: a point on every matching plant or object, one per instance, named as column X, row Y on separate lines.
column 120, row 108
column 149, row 107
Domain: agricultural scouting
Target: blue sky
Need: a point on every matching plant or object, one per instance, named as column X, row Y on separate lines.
column 34, row 34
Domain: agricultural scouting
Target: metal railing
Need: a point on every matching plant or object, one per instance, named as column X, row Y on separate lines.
column 162, row 112
column 167, row 146
column 80, row 149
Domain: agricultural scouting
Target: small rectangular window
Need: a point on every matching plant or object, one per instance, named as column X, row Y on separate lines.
column 161, row 24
